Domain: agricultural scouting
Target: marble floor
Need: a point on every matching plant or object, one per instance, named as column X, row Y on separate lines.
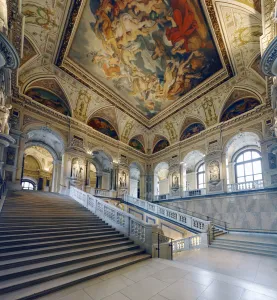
column 206, row 274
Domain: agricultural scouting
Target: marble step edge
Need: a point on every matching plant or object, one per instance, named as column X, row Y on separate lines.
column 53, row 238
column 39, row 251
column 263, row 248
column 32, row 259
column 56, row 229
column 17, row 283
column 52, row 233
column 245, row 242
column 32, row 268
column 244, row 251
column 46, row 288
column 63, row 242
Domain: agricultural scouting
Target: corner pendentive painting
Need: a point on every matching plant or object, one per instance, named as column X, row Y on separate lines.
column 162, row 144
column 238, row 108
column 137, row 145
column 104, row 127
column 192, row 130
column 149, row 52
column 50, row 100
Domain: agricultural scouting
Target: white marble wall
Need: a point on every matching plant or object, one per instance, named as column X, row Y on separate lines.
column 247, row 211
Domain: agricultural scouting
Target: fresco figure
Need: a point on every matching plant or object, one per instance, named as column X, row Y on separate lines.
column 152, row 52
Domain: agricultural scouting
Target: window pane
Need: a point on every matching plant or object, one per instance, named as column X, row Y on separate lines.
column 248, row 168
column 255, row 155
column 257, row 167
column 240, row 170
column 249, row 178
column 258, row 177
column 241, row 179
column 247, row 155
column 240, row 158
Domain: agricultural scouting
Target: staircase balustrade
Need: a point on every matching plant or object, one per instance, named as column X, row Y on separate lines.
column 244, row 186
column 137, row 230
column 194, row 242
column 173, row 215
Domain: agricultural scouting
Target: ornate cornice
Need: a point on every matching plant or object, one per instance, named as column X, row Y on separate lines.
column 269, row 59
column 9, row 53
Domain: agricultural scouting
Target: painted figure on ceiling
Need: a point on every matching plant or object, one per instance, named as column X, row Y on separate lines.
column 151, row 51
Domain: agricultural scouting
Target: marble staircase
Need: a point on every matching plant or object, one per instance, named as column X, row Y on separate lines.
column 49, row 242
column 251, row 244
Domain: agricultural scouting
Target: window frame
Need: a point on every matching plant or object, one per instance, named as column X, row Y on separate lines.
column 30, row 183
column 201, row 173
column 245, row 162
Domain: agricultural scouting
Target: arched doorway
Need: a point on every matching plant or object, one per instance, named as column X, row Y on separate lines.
column 135, row 180
column 161, row 181
column 194, row 177
column 37, row 169
column 51, row 150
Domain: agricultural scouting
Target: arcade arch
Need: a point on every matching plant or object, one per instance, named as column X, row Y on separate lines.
column 161, row 180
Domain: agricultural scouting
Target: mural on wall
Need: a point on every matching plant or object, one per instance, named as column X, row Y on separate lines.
column 272, row 161
column 104, row 127
column 192, row 130
column 50, row 100
column 162, row 144
column 137, row 145
column 150, row 52
column 28, row 51
column 239, row 107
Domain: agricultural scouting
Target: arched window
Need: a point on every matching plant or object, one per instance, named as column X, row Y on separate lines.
column 201, row 182
column 28, row 185
column 248, row 166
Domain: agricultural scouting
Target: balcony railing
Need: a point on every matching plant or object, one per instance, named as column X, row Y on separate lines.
column 170, row 214
column 194, row 193
column 245, row 186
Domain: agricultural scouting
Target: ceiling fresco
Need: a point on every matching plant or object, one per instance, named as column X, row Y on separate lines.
column 150, row 53
column 104, row 127
column 239, row 107
column 50, row 100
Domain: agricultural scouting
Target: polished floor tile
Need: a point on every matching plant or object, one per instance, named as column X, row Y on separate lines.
column 145, row 289
column 183, row 290
column 219, row 290
column 170, row 274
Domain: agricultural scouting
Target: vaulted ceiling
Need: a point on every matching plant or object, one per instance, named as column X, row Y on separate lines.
column 143, row 61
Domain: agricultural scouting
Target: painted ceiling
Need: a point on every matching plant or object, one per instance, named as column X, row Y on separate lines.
column 63, row 37
column 150, row 53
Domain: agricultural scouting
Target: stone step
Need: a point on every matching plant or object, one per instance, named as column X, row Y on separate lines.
column 36, row 244
column 10, row 254
column 11, row 236
column 32, row 259
column 24, row 241
column 75, row 261
column 240, row 242
column 245, row 250
column 11, row 227
column 43, row 288
column 9, row 231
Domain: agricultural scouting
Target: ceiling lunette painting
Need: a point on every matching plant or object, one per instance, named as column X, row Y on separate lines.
column 169, row 48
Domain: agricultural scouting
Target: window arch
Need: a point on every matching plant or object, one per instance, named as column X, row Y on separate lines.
column 248, row 166
column 201, row 176
column 28, row 185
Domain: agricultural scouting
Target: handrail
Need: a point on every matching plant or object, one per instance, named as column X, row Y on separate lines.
column 192, row 222
column 207, row 218
column 164, row 239
column 137, row 230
